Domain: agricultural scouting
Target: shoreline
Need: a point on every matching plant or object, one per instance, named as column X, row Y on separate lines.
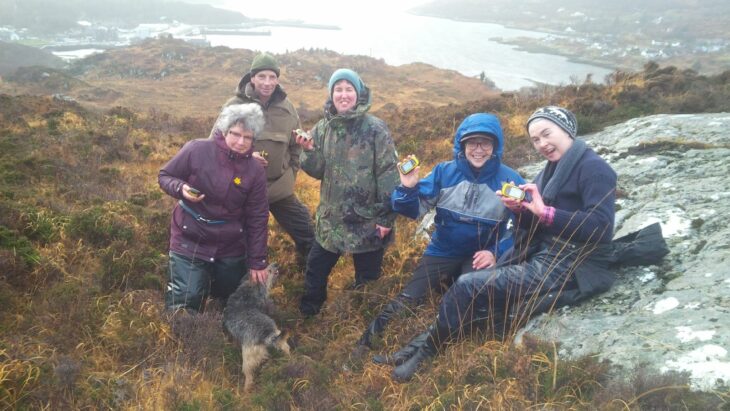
column 553, row 52
column 521, row 47
column 708, row 63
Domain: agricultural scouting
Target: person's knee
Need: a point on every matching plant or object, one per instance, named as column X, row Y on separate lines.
column 187, row 298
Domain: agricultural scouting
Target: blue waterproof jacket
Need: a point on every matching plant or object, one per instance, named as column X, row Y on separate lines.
column 469, row 215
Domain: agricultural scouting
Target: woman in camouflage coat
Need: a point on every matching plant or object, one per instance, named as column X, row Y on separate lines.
column 353, row 155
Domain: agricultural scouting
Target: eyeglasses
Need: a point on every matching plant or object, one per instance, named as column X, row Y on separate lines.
column 239, row 135
column 485, row 145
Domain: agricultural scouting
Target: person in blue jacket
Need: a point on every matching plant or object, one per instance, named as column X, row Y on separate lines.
column 471, row 221
column 562, row 249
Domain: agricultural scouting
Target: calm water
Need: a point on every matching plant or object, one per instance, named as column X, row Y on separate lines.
column 402, row 38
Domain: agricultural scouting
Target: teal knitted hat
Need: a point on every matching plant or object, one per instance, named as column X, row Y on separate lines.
column 264, row 61
column 350, row 76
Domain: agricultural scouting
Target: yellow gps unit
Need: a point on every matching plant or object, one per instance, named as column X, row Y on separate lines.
column 301, row 133
column 408, row 165
column 512, row 191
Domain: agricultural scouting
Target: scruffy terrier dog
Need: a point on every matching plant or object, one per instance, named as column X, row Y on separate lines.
column 246, row 318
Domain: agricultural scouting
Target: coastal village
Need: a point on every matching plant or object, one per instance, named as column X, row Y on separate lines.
column 90, row 37
column 610, row 50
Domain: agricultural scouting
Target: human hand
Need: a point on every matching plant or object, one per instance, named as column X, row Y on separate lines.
column 483, row 259
column 513, row 204
column 411, row 179
column 536, row 205
column 190, row 195
column 259, row 276
column 260, row 158
column 304, row 139
column 382, row 231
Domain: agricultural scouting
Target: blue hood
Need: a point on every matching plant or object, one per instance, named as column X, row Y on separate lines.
column 480, row 123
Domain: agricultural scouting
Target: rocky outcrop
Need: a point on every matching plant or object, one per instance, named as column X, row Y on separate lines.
column 674, row 317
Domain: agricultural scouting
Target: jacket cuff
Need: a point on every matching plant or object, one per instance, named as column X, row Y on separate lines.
column 257, row 264
column 548, row 215
column 405, row 189
column 387, row 221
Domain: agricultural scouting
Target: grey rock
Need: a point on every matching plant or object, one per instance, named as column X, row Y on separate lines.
column 672, row 169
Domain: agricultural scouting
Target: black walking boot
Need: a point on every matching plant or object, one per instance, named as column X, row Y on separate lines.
column 436, row 337
column 402, row 355
column 377, row 325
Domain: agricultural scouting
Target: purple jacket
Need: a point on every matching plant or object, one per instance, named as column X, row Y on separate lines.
column 235, row 192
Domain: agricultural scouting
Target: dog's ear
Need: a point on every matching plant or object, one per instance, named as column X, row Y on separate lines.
column 281, row 342
column 275, row 337
column 273, row 274
column 283, row 335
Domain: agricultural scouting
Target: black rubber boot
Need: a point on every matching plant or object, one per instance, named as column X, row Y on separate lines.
column 395, row 306
column 436, row 337
column 405, row 371
column 402, row 355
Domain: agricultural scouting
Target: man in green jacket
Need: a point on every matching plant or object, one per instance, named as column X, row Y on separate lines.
column 276, row 149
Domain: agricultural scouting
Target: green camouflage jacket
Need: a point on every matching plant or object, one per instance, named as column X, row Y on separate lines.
column 355, row 158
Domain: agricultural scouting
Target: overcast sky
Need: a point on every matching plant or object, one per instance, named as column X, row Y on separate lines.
column 319, row 11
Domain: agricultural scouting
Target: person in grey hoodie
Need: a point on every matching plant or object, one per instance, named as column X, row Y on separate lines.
column 219, row 224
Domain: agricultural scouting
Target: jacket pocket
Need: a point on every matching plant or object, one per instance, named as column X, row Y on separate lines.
column 190, row 228
column 352, row 214
column 278, row 156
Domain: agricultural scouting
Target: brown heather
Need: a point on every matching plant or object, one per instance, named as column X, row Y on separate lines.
column 83, row 242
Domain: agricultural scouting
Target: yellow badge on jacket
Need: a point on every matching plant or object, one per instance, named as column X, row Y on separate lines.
column 237, row 181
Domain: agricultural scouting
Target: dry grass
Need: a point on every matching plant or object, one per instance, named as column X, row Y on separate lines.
column 83, row 258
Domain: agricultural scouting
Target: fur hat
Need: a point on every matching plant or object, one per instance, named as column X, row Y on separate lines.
column 346, row 74
column 264, row 61
column 558, row 115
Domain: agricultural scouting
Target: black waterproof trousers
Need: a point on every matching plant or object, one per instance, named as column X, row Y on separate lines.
column 192, row 280
column 319, row 266
column 504, row 297
column 294, row 218
column 431, row 274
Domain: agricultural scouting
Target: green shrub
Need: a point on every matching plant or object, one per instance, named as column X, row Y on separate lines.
column 100, row 226
column 226, row 400
column 52, row 124
column 19, row 245
column 109, row 174
column 10, row 175
column 42, row 225
column 125, row 268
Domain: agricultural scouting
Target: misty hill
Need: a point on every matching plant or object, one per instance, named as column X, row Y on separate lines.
column 178, row 77
column 49, row 16
column 13, row 56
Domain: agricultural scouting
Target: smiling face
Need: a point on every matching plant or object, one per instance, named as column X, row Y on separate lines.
column 549, row 139
column 478, row 150
column 344, row 96
column 239, row 139
column 264, row 83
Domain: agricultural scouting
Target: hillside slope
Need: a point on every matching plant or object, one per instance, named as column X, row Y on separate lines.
column 176, row 77
column 14, row 56
column 83, row 256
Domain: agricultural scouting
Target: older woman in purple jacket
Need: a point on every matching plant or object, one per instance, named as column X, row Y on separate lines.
column 219, row 225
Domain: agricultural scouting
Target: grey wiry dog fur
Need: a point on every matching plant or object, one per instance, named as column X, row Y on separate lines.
column 246, row 319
